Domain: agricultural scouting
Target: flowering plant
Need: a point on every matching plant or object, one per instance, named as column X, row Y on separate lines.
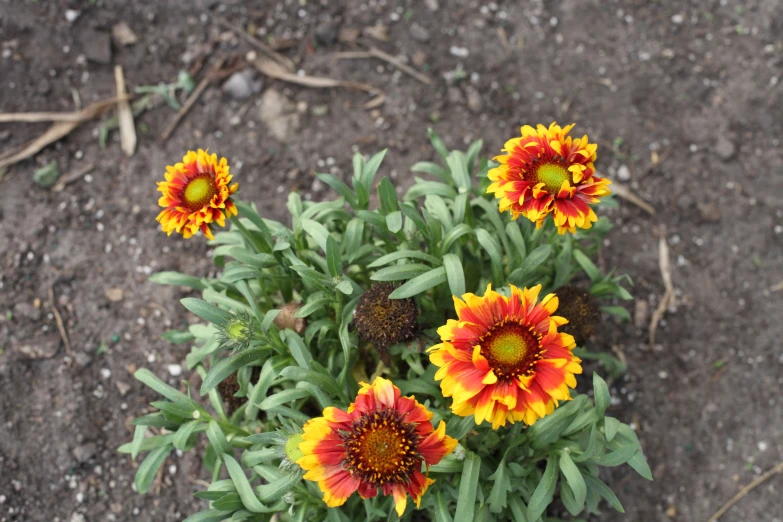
column 351, row 366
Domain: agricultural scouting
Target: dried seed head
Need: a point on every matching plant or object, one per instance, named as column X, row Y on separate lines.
column 582, row 311
column 383, row 321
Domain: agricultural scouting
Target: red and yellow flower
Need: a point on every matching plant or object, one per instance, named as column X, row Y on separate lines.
column 503, row 360
column 196, row 194
column 378, row 445
column 544, row 172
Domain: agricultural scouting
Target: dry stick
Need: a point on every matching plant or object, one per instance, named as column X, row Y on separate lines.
column 39, row 117
column 666, row 274
column 194, row 96
column 71, row 177
column 258, row 44
column 744, row 491
column 374, row 52
column 124, row 115
column 60, row 324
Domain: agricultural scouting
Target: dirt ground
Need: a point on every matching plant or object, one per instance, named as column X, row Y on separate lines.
column 684, row 99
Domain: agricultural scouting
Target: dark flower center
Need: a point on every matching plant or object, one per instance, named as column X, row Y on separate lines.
column 381, row 448
column 199, row 192
column 511, row 349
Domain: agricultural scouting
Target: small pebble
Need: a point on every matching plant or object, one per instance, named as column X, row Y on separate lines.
column 175, row 370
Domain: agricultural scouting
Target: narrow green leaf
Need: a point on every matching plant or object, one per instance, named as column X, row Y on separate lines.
column 315, row 302
column 611, row 425
column 138, row 437
column 468, row 486
column 639, row 463
column 269, row 318
column 317, row 231
column 206, row 311
column 298, row 349
column 459, row 169
column 472, row 153
column 237, row 475
column 404, row 254
column 542, row 496
column 225, row 367
column 452, row 235
column 617, row 311
column 420, row 284
column 325, row 382
column 619, row 456
column 283, row 397
column 387, row 196
column 394, row 221
column 601, row 392
column 352, row 240
column 595, row 446
column 500, row 488
column 605, row 491
column 518, row 509
column 145, row 475
column 278, row 487
column 339, row 187
column 588, row 266
column 454, row 274
column 574, row 479
column 236, row 273
column 442, row 507
column 371, row 168
column 211, row 515
column 150, row 379
column 400, row 272
column 424, row 188
column 177, row 279
column 536, row 257
column 183, row 434
column 178, row 337
column 333, row 261
column 218, row 439
column 437, row 143
column 427, row 167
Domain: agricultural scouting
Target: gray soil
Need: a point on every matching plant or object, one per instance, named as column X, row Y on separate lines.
column 684, row 99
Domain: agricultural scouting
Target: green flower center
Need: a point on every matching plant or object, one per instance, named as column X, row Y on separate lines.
column 511, row 349
column 292, row 451
column 552, row 175
column 199, row 192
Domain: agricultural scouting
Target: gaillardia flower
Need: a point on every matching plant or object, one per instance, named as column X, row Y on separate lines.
column 546, row 171
column 378, row 445
column 503, row 360
column 196, row 194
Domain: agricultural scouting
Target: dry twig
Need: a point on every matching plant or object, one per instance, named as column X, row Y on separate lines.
column 744, row 491
column 124, row 115
column 261, row 46
column 57, row 131
column 666, row 274
column 273, row 70
column 71, row 177
column 60, row 324
column 374, row 52
column 776, row 288
column 625, row 193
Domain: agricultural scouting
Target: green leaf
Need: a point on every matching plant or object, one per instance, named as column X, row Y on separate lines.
column 237, row 475
column 437, row 207
column 316, row 301
column 283, row 397
column 183, row 434
column 218, row 439
column 371, row 168
column 472, row 153
column 404, row 254
column 518, row 509
column 333, row 261
column 619, row 456
column 352, row 239
column 387, row 196
column 458, row 427
column 177, row 279
column 500, row 489
column 639, row 463
column 225, row 367
column 236, row 273
column 492, row 247
column 206, row 311
column 517, row 241
column 569, row 500
column 394, row 221
column 605, row 492
column 459, row 169
column 400, row 272
column 178, row 337
column 531, row 262
column 278, row 487
column 611, row 425
column 138, row 437
column 468, row 486
column 326, row 382
column 269, row 318
column 151, row 380
column 145, row 475
column 147, row 444
column 298, row 349
column 345, row 286
column 574, row 479
column 454, row 274
column 212, row 515
column 441, row 511
column 542, row 496
column 420, row 284
column 595, row 446
column 452, row 235
column 424, row 188
column 437, row 143
column 317, row 231
column 601, row 392
column 427, row 167
column 588, row 266
column 617, row 311
column 339, row 187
